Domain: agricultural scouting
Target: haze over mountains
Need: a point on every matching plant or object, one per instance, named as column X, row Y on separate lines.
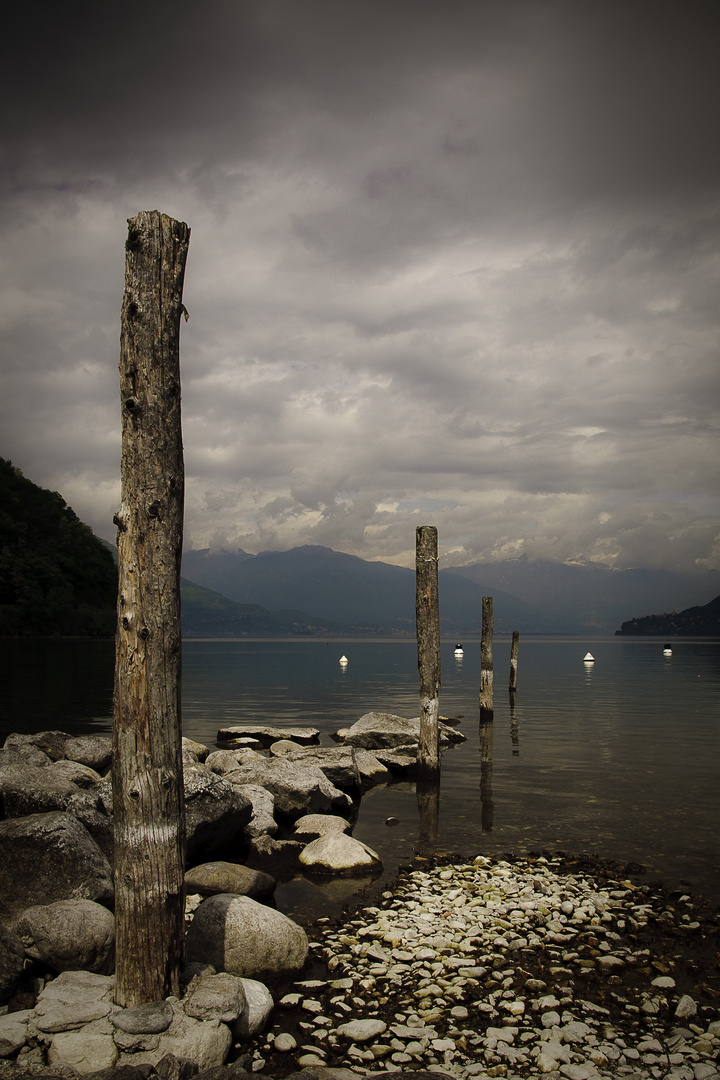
column 338, row 592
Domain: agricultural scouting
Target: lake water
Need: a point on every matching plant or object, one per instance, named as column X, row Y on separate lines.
column 620, row 758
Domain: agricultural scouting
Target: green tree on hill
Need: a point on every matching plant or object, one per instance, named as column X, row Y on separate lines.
column 56, row 576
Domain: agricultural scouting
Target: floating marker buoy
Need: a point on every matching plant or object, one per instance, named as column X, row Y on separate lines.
column 459, row 651
column 589, row 658
column 667, row 650
column 343, row 659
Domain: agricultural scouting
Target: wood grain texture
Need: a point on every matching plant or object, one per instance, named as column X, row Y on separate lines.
column 147, row 760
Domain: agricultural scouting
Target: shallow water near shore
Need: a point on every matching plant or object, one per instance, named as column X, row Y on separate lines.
column 619, row 758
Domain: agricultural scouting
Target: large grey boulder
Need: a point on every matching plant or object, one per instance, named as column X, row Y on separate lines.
column 95, row 751
column 50, row 742
column 80, row 775
column 89, row 809
column 337, row 853
column 30, row 789
column 212, row 878
column 215, row 997
column 72, row 999
column 151, row 1018
column 24, row 755
column 378, row 729
column 205, row 1042
column 59, row 861
column 69, row 935
column 273, row 856
column 263, row 809
column 266, row 734
column 245, row 938
column 91, row 1049
column 13, row 1032
column 12, row 961
column 320, row 824
column 350, row 768
column 401, row 760
column 223, row 762
column 299, row 787
column 215, row 811
column 199, row 750
column 258, row 1009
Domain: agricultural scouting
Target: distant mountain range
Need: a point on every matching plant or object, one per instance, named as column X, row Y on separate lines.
column 56, row 577
column 694, row 621
column 315, row 590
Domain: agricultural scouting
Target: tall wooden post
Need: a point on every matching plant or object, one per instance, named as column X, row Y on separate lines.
column 147, row 776
column 427, row 615
column 514, row 648
column 486, row 658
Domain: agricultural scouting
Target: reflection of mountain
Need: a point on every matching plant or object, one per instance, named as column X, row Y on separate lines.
column 698, row 621
column 371, row 597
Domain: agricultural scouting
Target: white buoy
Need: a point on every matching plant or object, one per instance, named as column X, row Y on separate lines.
column 343, row 659
column 667, row 650
column 589, row 658
column 459, row 650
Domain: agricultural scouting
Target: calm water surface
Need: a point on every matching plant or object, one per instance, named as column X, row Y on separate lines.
column 620, row 758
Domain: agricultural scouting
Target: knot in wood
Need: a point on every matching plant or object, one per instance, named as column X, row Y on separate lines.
column 131, row 404
column 134, row 238
column 144, row 633
column 153, row 509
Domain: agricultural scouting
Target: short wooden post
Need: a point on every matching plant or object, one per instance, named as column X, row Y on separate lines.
column 147, row 776
column 514, row 648
column 486, row 659
column 427, row 615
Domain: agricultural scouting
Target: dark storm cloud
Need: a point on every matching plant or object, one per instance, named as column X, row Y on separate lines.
column 450, row 260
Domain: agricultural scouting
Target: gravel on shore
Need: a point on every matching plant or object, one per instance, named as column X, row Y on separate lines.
column 509, row 968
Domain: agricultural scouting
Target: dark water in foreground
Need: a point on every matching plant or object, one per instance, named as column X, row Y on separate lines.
column 620, row 758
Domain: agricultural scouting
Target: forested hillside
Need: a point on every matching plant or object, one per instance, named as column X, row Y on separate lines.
column 694, row 621
column 56, row 576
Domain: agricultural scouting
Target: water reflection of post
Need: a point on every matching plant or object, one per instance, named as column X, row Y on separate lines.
column 428, row 803
column 486, row 749
column 514, row 729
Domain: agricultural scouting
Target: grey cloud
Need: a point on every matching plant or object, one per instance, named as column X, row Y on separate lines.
column 450, row 264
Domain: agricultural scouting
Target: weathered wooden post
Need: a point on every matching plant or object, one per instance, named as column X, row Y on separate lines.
column 486, row 659
column 147, row 773
column 514, row 648
column 427, row 616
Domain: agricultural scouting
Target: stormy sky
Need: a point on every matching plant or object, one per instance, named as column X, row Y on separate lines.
column 452, row 263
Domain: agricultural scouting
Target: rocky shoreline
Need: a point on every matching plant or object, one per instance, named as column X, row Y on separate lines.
column 509, row 969
column 482, row 968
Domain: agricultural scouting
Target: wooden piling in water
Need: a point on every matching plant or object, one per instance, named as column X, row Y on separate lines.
column 427, row 617
column 147, row 774
column 514, row 648
column 486, row 659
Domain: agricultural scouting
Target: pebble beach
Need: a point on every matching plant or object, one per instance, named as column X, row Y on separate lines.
column 510, row 968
